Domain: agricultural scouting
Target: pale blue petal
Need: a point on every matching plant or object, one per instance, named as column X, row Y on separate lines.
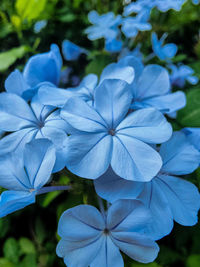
column 183, row 198
column 136, row 246
column 15, row 113
column 112, row 100
column 147, row 125
column 71, row 51
column 16, row 84
column 179, row 155
column 44, row 67
column 154, row 198
column 81, row 223
column 170, row 50
column 113, row 45
column 108, row 255
column 89, row 155
column 128, row 159
column 118, row 71
column 39, row 159
column 154, row 81
column 112, row 187
column 11, row 201
column 82, row 117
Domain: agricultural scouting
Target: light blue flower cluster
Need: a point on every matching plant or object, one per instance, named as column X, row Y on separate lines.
column 112, row 129
column 109, row 130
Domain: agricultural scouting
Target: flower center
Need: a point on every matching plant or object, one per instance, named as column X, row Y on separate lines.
column 111, row 132
column 106, row 231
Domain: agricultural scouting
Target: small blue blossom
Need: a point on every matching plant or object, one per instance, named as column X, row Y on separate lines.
column 165, row 5
column 90, row 238
column 113, row 45
column 132, row 25
column 167, row 196
column 195, row 2
column 26, row 122
column 24, row 176
column 109, row 137
column 40, row 25
column 40, row 69
column 105, row 26
column 181, row 74
column 72, row 51
column 163, row 52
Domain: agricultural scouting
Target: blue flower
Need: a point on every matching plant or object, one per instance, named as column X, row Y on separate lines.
column 105, row 26
column 24, row 176
column 165, row 5
column 109, row 137
column 40, row 69
column 138, row 6
column 72, row 51
column 163, row 52
column 40, row 25
column 167, row 196
column 132, row 25
column 89, row 238
column 26, row 123
column 113, row 45
column 181, row 74
column 135, row 52
column 57, row 97
column 151, row 87
column 195, row 2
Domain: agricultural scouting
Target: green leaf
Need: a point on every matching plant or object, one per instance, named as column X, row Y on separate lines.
column 40, row 231
column 30, row 9
column 26, row 246
column 6, row 263
column 153, row 264
column 9, row 57
column 97, row 65
column 4, row 226
column 11, row 250
column 190, row 115
column 29, row 261
column 193, row 261
column 49, row 198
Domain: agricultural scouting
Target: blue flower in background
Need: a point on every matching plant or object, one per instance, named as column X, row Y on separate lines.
column 193, row 135
column 167, row 196
column 132, row 25
column 135, row 52
column 89, row 238
column 109, row 137
column 24, row 176
column 181, row 74
column 195, row 2
column 138, row 6
column 151, row 87
column 165, row 5
column 105, row 26
column 26, row 123
column 163, row 52
column 40, row 25
column 57, row 97
column 40, row 69
column 113, row 45
column 72, row 51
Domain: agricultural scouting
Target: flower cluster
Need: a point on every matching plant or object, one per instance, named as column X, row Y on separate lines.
column 114, row 130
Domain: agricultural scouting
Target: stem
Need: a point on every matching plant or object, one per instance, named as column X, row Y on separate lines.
column 149, row 57
column 48, row 189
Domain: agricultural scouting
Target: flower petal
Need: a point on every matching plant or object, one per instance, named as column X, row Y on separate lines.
column 81, row 116
column 112, row 101
column 128, row 159
column 112, row 187
column 183, row 198
column 15, row 113
column 11, row 201
column 86, row 151
column 39, row 159
column 147, row 125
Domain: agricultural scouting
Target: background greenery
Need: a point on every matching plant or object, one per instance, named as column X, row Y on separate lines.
column 28, row 237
